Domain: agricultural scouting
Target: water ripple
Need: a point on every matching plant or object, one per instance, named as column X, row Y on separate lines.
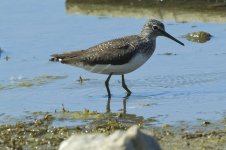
column 185, row 80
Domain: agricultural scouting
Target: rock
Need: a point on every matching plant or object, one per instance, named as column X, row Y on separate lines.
column 132, row 139
column 199, row 37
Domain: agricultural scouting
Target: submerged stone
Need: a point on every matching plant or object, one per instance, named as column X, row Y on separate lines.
column 199, row 37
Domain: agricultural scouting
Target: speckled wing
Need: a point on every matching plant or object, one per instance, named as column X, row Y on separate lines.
column 115, row 52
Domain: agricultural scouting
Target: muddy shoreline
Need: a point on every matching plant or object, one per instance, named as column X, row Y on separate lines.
column 41, row 133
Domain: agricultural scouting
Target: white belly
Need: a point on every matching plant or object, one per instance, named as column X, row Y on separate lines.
column 132, row 65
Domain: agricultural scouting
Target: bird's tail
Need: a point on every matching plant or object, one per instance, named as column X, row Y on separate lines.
column 68, row 55
column 55, row 59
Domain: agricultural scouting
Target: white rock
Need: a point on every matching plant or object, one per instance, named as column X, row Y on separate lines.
column 132, row 139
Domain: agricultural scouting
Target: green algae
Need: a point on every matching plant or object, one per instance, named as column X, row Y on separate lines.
column 50, row 77
column 95, row 118
column 25, row 84
column 44, row 79
column 67, row 115
column 198, row 37
column 7, row 87
column 42, row 134
column 36, row 81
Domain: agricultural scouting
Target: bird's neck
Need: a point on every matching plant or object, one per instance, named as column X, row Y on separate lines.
column 148, row 34
column 149, row 48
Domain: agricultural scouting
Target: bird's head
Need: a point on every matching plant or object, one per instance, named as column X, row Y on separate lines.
column 154, row 28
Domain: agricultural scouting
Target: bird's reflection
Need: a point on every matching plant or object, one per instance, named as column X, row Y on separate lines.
column 108, row 107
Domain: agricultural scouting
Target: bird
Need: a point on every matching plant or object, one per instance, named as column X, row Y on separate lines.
column 118, row 56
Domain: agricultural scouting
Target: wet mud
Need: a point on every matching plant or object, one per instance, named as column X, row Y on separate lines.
column 41, row 133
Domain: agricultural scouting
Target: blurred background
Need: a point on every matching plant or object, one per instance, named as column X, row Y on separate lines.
column 177, row 10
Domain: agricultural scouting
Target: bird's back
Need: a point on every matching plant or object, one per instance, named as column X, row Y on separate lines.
column 115, row 52
column 121, row 55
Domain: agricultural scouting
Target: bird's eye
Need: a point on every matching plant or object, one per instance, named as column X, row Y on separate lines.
column 154, row 27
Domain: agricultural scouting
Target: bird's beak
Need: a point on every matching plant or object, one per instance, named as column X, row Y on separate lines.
column 164, row 33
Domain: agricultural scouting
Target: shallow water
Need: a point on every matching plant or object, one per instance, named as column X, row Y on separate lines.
column 183, row 87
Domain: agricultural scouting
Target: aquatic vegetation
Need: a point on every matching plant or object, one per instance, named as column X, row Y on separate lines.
column 6, row 87
column 50, row 77
column 81, row 79
column 96, row 120
column 26, row 82
column 199, row 37
column 41, row 134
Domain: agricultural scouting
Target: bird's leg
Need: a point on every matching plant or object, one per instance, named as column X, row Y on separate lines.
column 107, row 85
column 108, row 107
column 125, row 86
column 124, row 105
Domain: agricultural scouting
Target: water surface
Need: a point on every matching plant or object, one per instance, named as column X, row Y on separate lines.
column 183, row 87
